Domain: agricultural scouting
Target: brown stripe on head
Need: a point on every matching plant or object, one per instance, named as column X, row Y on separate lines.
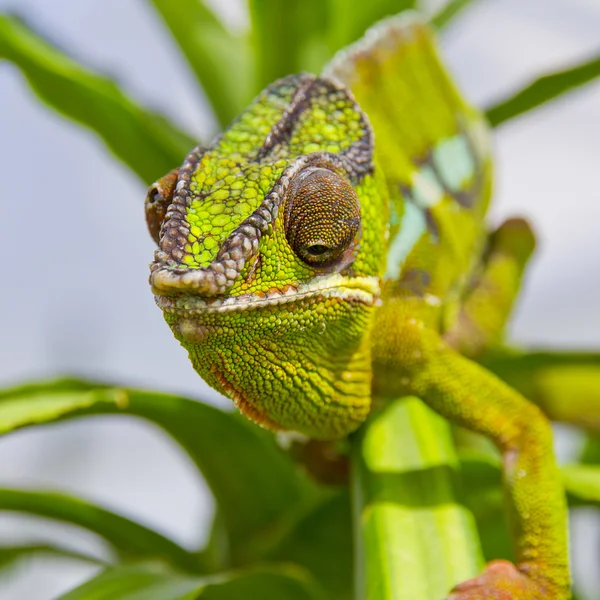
column 227, row 195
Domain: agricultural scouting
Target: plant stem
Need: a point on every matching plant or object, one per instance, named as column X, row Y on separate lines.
column 412, row 537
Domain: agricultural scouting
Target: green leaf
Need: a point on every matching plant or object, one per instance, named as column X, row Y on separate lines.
column 125, row 536
column 219, row 59
column 415, row 540
column 149, row 582
column 481, row 491
column 145, row 141
column 590, row 453
column 302, row 35
column 12, row 554
column 321, row 542
column 280, row 33
column 582, row 483
column 544, row 89
column 483, row 495
column 449, row 12
column 348, row 25
column 253, row 481
column 565, row 385
column 287, row 583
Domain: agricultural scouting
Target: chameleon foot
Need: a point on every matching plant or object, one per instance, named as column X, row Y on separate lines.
column 501, row 580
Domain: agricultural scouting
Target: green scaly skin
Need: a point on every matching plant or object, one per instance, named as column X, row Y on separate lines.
column 330, row 248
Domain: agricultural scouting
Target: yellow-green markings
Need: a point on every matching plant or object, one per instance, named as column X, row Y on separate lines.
column 231, row 195
column 328, row 127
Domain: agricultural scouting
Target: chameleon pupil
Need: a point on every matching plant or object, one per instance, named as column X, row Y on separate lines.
column 317, row 249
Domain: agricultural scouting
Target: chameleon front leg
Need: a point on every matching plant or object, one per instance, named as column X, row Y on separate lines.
column 489, row 302
column 564, row 384
column 416, row 360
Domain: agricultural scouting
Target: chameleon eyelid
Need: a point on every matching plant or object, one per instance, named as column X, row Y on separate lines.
column 323, row 217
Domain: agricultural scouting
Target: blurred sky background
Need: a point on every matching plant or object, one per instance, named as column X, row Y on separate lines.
column 74, row 294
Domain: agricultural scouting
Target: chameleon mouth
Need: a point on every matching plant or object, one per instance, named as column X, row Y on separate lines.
column 353, row 289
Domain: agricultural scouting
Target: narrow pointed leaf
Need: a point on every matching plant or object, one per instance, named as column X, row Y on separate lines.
column 543, row 90
column 125, row 536
column 565, row 385
column 149, row 582
column 253, row 481
column 415, row 539
column 590, row 453
column 145, row 141
column 482, row 492
column 582, row 483
column 219, row 58
column 280, row 32
column 12, row 554
column 349, row 25
column 321, row 542
column 449, row 12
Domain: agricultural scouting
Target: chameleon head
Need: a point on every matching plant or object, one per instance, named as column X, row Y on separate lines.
column 270, row 251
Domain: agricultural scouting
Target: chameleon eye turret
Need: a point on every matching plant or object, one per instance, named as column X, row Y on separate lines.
column 322, row 216
column 158, row 199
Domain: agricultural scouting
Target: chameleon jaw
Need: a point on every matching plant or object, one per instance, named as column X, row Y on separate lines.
column 318, row 382
column 355, row 289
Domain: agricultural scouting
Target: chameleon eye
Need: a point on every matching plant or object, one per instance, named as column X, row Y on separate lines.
column 323, row 216
column 158, row 199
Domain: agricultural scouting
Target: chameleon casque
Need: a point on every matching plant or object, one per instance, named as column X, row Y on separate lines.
column 330, row 248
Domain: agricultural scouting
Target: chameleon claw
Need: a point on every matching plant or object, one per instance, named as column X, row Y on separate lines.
column 501, row 580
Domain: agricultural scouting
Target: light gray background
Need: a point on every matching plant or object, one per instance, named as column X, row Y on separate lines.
column 74, row 295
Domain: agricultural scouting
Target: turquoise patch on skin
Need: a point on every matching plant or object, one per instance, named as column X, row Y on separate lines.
column 413, row 226
column 455, row 166
column 455, row 162
column 426, row 188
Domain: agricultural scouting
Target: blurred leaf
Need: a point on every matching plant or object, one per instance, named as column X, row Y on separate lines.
column 279, row 583
column 145, row 141
column 404, row 480
column 591, row 450
column 150, row 582
column 11, row 554
column 565, row 385
column 282, row 32
column 348, row 25
column 481, row 491
column 127, row 537
column 449, row 12
column 302, row 35
column 220, row 59
column 582, row 483
column 321, row 542
column 253, row 481
column 544, row 90
column 483, row 495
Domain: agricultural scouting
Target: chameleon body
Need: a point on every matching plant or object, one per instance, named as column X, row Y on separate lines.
column 330, row 248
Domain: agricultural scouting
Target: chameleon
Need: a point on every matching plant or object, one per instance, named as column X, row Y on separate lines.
column 330, row 250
